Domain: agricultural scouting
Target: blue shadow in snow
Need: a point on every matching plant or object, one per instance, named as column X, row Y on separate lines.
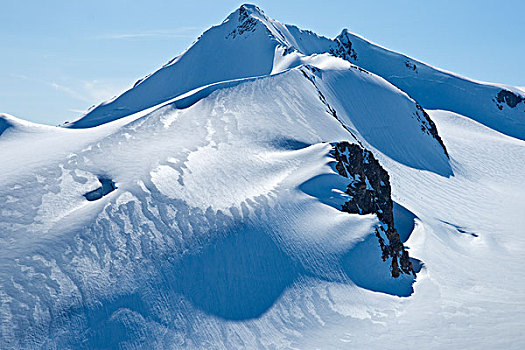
column 364, row 266
column 327, row 188
column 363, row 263
column 289, row 144
column 4, row 125
column 460, row 229
column 403, row 221
column 236, row 277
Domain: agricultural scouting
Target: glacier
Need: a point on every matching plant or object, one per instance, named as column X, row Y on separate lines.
column 203, row 207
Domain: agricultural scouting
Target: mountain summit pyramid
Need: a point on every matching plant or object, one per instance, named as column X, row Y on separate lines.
column 250, row 44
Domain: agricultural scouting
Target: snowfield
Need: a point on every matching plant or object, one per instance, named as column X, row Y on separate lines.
column 202, row 208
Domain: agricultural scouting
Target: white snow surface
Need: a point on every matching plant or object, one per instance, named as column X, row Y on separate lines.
column 224, row 230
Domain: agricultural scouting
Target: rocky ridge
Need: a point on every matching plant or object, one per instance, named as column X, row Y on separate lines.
column 370, row 193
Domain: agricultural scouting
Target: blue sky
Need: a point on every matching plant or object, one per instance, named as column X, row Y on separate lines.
column 60, row 57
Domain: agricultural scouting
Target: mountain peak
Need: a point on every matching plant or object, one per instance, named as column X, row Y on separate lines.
column 245, row 11
column 248, row 43
column 251, row 8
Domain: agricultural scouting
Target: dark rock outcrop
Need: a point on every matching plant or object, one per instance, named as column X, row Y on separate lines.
column 428, row 126
column 508, row 97
column 370, row 193
column 246, row 23
column 108, row 186
column 344, row 48
column 411, row 65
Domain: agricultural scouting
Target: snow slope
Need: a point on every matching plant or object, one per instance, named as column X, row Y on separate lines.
column 206, row 213
column 209, row 195
column 249, row 43
column 240, row 47
column 499, row 107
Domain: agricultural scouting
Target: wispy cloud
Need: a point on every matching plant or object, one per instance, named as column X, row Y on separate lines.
column 71, row 92
column 182, row 32
column 101, row 90
column 77, row 111
column 88, row 91
column 67, row 90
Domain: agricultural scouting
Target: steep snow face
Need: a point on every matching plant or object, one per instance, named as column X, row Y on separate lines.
column 383, row 116
column 499, row 107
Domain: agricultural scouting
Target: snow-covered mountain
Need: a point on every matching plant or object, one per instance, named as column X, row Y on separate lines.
column 270, row 188
column 249, row 44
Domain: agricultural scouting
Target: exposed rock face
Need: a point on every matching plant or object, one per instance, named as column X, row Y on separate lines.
column 107, row 186
column 344, row 48
column 429, row 127
column 246, row 23
column 508, row 97
column 370, row 193
column 411, row 65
